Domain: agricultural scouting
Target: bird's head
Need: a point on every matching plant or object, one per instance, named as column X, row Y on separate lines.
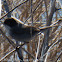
column 10, row 22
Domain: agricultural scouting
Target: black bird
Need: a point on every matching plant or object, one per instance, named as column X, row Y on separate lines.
column 21, row 32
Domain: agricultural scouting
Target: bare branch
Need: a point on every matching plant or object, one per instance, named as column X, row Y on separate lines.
column 13, row 9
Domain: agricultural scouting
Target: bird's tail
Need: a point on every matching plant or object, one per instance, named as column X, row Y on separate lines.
column 47, row 27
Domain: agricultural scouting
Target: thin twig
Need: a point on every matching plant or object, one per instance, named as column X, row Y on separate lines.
column 37, row 50
column 33, row 10
column 46, row 36
column 13, row 9
column 15, row 50
column 59, row 56
column 27, row 52
column 50, row 49
column 7, row 55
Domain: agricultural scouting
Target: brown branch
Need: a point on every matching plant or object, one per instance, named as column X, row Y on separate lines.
column 15, row 50
column 46, row 36
column 51, row 47
column 34, row 10
column 13, row 9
